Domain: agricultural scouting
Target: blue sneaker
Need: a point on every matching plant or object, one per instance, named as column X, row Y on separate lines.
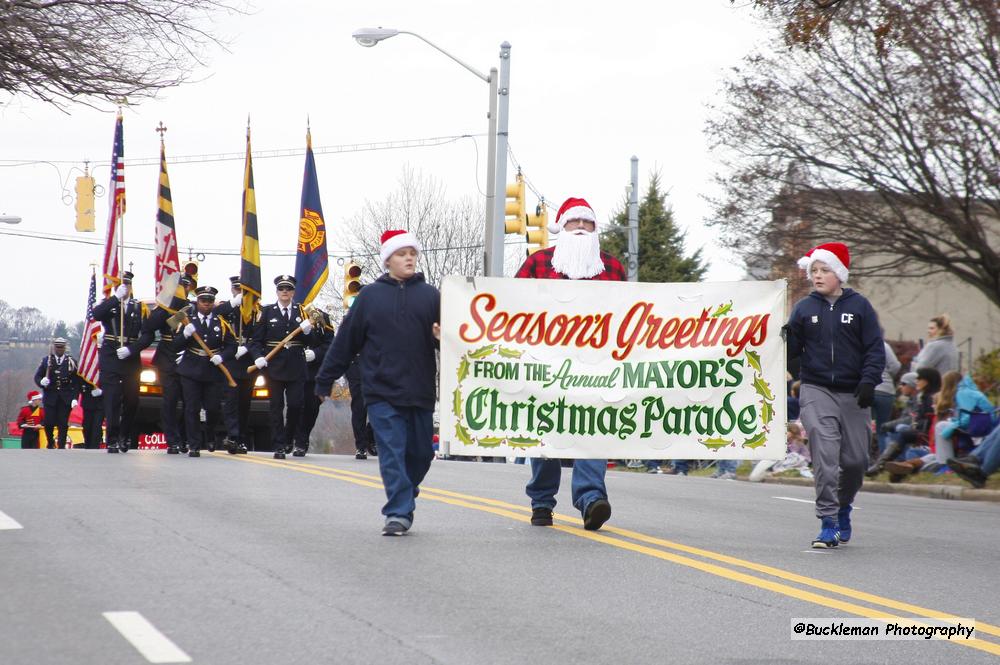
column 827, row 535
column 844, row 524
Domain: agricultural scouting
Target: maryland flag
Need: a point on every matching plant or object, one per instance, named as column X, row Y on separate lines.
column 167, row 269
column 250, row 249
column 311, row 260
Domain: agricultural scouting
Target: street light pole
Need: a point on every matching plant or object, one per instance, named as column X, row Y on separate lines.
column 496, row 253
column 496, row 168
column 633, row 223
column 491, row 186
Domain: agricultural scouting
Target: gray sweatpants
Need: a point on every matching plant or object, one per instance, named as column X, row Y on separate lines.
column 839, row 434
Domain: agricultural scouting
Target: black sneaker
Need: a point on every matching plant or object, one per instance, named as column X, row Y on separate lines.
column 113, row 449
column 173, row 450
column 970, row 472
column 279, row 454
column 360, row 455
column 541, row 517
column 299, row 452
column 194, row 453
column 231, row 446
column 393, row 528
column 241, row 449
column 598, row 512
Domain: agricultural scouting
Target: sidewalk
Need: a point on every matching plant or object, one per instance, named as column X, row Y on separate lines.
column 913, row 489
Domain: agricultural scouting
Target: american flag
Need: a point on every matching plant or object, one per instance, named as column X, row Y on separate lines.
column 89, row 370
column 112, row 271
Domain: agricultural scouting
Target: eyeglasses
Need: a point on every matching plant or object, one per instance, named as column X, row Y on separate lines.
column 286, row 288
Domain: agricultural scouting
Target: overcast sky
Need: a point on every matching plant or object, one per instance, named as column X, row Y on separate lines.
column 592, row 83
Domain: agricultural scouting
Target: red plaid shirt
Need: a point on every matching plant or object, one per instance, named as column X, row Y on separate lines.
column 539, row 266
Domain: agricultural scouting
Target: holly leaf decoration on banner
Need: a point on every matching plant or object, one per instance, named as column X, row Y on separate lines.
column 715, row 443
column 723, row 309
column 463, row 434
column 483, row 352
column 766, row 413
column 522, row 442
column 510, row 353
column 754, row 359
column 463, row 369
column 457, row 403
column 491, row 441
column 756, row 441
column 764, row 390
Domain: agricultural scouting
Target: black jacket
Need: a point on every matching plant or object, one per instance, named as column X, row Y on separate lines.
column 165, row 356
column 390, row 326
column 288, row 364
column 108, row 313
column 193, row 362
column 839, row 345
column 238, row 366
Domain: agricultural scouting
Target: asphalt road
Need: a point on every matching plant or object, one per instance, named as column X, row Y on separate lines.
column 245, row 560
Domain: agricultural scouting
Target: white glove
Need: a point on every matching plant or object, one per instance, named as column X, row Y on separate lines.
column 342, row 382
column 216, row 359
column 236, row 301
column 44, row 382
column 189, row 330
column 123, row 353
column 96, row 392
column 73, row 404
column 310, row 355
column 261, row 363
column 307, row 326
column 121, row 292
column 241, row 351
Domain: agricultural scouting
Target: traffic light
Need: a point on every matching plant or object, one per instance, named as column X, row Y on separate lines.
column 352, row 283
column 514, row 210
column 85, row 203
column 538, row 229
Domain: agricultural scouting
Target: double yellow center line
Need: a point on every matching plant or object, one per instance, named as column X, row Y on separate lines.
column 666, row 550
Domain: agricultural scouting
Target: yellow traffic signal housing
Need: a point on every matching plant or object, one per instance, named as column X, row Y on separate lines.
column 85, row 203
column 352, row 283
column 537, row 233
column 514, row 211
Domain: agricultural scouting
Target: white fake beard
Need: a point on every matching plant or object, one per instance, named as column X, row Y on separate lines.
column 578, row 254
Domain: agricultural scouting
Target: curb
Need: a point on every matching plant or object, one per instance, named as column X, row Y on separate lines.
column 953, row 492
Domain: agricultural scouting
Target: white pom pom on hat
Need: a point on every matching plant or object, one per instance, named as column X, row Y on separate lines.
column 834, row 254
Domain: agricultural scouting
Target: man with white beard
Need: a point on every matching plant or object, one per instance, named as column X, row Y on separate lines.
column 576, row 255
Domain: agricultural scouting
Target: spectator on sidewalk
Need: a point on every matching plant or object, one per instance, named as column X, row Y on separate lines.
column 885, row 396
column 940, row 352
column 909, row 435
column 981, row 463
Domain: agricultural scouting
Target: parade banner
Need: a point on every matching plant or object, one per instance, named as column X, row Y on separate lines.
column 620, row 370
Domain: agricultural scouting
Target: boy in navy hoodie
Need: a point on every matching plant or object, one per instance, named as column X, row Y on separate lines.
column 835, row 334
column 394, row 325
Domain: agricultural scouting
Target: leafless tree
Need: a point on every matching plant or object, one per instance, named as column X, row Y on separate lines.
column 884, row 135
column 14, row 387
column 77, row 50
column 450, row 231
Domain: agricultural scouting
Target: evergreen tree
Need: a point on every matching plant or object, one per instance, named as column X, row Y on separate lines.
column 661, row 243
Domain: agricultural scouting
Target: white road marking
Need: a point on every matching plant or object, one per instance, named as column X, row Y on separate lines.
column 791, row 498
column 8, row 522
column 151, row 643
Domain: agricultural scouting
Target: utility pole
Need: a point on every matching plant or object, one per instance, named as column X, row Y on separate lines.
column 633, row 223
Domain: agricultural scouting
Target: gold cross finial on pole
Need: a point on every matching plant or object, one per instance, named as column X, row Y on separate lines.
column 161, row 130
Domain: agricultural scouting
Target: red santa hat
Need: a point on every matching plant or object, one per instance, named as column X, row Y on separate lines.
column 33, row 395
column 833, row 254
column 572, row 208
column 395, row 240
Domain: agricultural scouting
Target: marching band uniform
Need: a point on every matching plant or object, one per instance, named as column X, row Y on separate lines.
column 236, row 401
column 29, row 419
column 315, row 351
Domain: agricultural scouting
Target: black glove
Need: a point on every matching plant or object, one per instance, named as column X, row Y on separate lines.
column 865, row 392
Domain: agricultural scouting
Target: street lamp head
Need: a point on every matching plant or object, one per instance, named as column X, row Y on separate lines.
column 372, row 36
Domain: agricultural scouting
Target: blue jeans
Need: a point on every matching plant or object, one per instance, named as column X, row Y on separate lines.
column 881, row 413
column 727, row 465
column 681, row 465
column 588, row 482
column 405, row 451
column 988, row 452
